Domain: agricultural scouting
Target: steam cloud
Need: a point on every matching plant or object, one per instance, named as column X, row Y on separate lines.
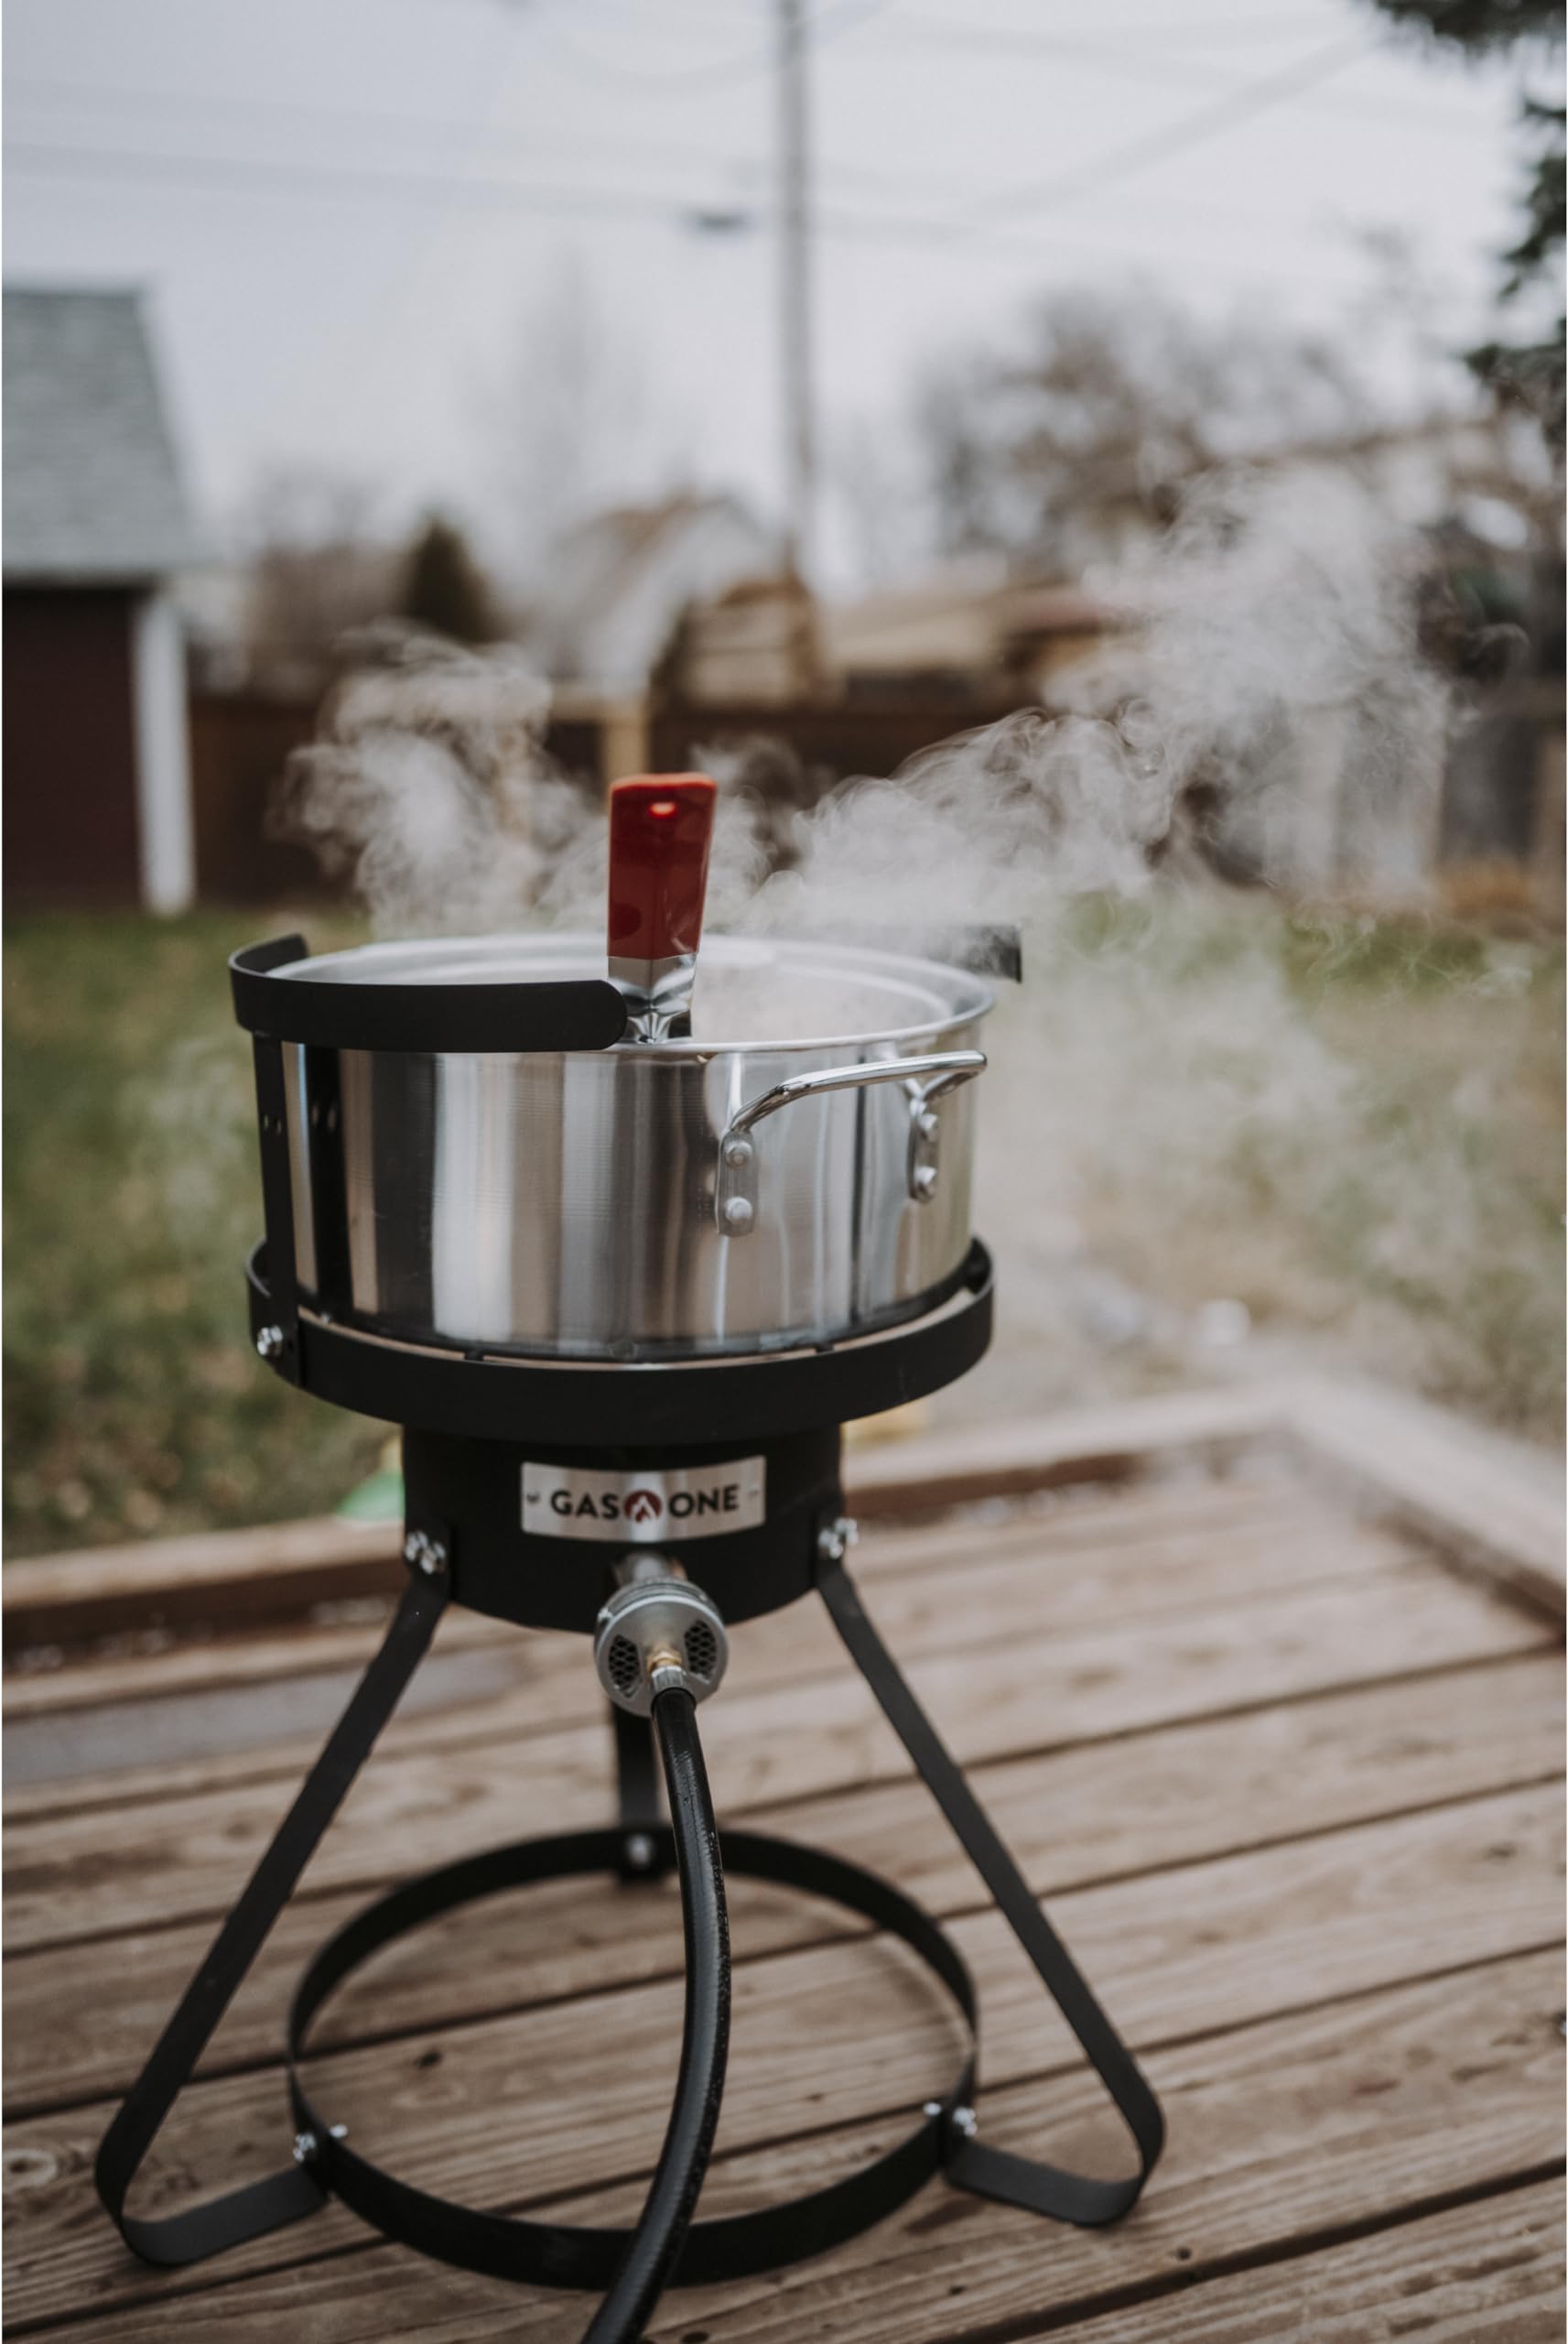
column 1267, row 690
column 1267, row 701
column 428, row 787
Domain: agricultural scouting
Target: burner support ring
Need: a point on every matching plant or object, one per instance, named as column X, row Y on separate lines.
column 559, row 2254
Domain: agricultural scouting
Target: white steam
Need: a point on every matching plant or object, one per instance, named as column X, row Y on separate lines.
column 1172, row 1139
column 428, row 787
column 1264, row 697
column 1267, row 691
column 1276, row 669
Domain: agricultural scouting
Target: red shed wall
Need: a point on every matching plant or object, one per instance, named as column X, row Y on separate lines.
column 71, row 834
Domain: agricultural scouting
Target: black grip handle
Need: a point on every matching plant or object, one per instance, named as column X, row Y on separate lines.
column 559, row 1013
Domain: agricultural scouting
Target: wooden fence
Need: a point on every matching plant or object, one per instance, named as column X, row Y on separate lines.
column 240, row 742
column 1503, row 795
column 831, row 740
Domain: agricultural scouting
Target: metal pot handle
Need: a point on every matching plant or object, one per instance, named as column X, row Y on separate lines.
column 923, row 1079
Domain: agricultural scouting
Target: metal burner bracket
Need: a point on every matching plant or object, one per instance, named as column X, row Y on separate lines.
column 488, row 1395
column 945, row 2136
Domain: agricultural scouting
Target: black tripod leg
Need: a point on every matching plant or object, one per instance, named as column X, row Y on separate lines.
column 283, row 2197
column 995, row 2173
column 637, row 1807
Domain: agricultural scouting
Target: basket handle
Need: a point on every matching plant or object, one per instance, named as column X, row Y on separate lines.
column 924, row 1080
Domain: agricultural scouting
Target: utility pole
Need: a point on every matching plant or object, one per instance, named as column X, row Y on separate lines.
column 794, row 291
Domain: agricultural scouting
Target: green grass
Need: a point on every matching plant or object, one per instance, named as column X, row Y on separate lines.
column 133, row 1401
column 1351, row 1126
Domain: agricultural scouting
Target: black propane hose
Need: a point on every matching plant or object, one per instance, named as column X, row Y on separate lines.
column 705, row 2042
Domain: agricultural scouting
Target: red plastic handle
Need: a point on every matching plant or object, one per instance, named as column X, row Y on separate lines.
column 660, row 826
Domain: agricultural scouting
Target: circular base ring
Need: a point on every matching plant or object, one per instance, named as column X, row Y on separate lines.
column 491, row 1396
column 562, row 2255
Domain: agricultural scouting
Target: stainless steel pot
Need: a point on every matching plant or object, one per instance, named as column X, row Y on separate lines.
column 738, row 1191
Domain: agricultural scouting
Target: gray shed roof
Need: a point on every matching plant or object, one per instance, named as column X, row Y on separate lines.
column 92, row 490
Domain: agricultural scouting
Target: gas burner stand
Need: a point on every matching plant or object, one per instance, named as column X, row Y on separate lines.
column 737, row 1467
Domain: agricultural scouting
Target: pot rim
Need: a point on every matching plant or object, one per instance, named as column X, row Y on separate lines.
column 373, row 963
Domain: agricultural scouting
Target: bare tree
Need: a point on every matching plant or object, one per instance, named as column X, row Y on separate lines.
column 1051, row 450
column 569, row 419
column 444, row 589
column 320, row 567
column 1523, row 373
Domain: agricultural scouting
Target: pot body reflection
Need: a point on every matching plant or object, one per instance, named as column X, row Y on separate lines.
column 578, row 1205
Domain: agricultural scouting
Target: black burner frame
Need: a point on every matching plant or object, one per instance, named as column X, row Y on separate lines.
column 470, row 1420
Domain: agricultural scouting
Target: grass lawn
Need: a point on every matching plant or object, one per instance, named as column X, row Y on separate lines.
column 1350, row 1128
column 134, row 1400
column 1225, row 1139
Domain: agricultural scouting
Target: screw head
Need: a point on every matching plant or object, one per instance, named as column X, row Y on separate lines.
column 738, row 1151
column 423, row 1553
column 835, row 1539
column 305, row 2147
column 924, row 1180
column 269, row 1341
column 639, row 1851
column 927, row 1124
column 740, row 1212
column 965, row 2122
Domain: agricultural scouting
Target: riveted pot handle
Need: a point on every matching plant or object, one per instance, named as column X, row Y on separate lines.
column 923, row 1078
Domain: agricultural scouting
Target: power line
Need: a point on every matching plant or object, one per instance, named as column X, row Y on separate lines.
column 1188, row 130
column 659, row 207
column 1231, row 107
column 487, row 89
column 1110, row 60
column 829, row 22
column 132, row 102
column 205, row 170
column 1108, row 32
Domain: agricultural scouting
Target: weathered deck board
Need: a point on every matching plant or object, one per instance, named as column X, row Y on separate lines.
column 840, row 2028
column 1246, row 1551
column 1482, row 1497
column 1499, row 1499
column 264, row 1573
column 70, row 1876
column 1474, row 2272
column 1261, row 1536
column 1198, row 1546
column 1284, row 2132
column 1288, row 1782
column 78, row 2028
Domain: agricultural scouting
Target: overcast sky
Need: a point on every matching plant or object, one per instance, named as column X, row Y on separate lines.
column 364, row 223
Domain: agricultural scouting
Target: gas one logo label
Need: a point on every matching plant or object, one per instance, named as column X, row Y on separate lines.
column 644, row 1508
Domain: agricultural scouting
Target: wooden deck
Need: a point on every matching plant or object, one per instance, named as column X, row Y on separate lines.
column 1265, row 1696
